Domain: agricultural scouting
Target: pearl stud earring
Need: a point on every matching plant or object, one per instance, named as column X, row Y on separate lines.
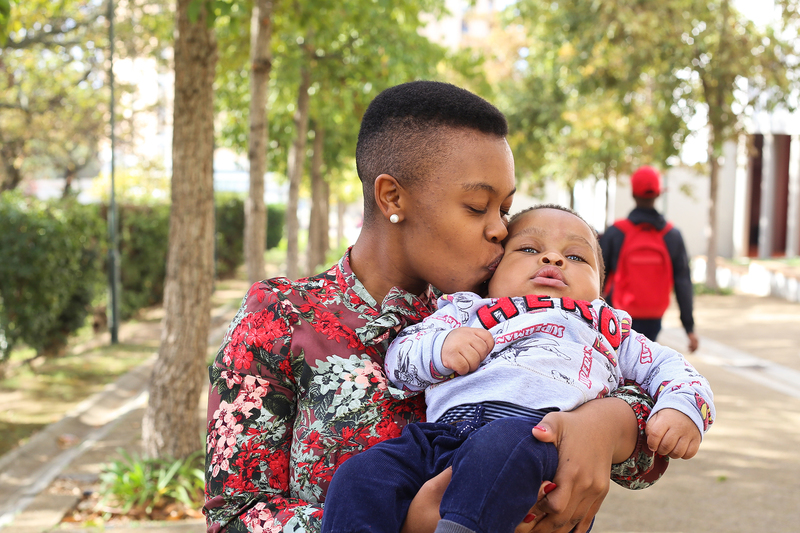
column 394, row 219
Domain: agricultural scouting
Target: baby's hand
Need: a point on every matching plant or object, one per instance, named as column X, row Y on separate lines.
column 670, row 432
column 465, row 348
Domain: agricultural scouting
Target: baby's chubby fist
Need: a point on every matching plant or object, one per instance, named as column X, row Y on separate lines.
column 465, row 348
column 670, row 432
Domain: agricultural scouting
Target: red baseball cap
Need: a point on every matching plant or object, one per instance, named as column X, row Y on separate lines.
column 646, row 182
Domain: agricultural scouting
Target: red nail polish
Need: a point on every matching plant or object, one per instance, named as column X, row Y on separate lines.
column 550, row 487
column 541, row 428
column 530, row 517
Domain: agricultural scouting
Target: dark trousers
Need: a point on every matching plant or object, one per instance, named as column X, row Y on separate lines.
column 497, row 470
column 649, row 327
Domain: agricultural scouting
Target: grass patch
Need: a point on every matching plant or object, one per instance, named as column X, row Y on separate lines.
column 35, row 392
column 40, row 393
column 702, row 288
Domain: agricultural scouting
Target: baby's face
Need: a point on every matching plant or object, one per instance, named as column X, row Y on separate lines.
column 549, row 252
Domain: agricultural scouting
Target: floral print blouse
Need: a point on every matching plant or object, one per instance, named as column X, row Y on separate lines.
column 298, row 387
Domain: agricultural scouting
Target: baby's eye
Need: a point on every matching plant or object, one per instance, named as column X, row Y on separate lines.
column 574, row 257
column 529, row 250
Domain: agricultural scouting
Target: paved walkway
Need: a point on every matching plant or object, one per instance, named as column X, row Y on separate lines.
column 746, row 477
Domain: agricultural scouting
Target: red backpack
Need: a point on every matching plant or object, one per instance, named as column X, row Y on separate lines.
column 643, row 281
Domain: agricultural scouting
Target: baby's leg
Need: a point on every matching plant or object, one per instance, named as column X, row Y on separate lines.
column 497, row 473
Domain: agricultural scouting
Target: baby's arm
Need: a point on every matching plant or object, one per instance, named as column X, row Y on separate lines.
column 684, row 408
column 465, row 348
column 670, row 432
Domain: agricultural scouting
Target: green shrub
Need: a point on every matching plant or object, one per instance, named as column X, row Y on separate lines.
column 141, row 485
column 229, row 251
column 143, row 247
column 702, row 288
column 276, row 222
column 230, row 230
column 50, row 270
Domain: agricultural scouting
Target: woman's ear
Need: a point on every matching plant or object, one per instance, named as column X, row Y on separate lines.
column 389, row 196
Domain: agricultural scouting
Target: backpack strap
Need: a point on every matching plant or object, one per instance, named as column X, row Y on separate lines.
column 624, row 225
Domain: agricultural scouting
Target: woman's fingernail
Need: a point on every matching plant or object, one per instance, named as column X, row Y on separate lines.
column 530, row 517
column 541, row 428
column 550, row 487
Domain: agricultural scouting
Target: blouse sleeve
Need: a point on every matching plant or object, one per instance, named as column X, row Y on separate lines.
column 251, row 412
column 644, row 467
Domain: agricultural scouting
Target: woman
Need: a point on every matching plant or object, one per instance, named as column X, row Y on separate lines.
column 298, row 384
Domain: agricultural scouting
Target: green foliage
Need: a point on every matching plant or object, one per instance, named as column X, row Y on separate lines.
column 54, row 98
column 143, row 246
column 49, row 273
column 5, row 15
column 702, row 288
column 145, row 484
column 276, row 224
column 230, row 230
column 229, row 244
column 353, row 48
column 623, row 79
column 147, row 183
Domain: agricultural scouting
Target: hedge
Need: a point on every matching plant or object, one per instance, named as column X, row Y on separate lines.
column 53, row 262
column 230, row 231
column 50, row 270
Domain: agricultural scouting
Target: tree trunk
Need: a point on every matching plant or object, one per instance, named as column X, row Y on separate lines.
column 325, row 226
column 318, row 223
column 297, row 154
column 610, row 201
column 255, row 210
column 69, row 177
column 711, row 256
column 170, row 427
column 10, row 173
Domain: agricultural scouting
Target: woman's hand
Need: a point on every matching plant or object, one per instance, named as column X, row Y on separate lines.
column 423, row 513
column 589, row 440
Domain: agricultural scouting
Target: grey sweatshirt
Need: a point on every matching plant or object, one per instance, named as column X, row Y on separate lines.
column 549, row 352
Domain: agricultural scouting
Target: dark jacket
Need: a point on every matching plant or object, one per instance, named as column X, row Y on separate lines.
column 611, row 243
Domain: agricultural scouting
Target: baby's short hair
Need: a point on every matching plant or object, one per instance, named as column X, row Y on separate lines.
column 601, row 265
column 405, row 128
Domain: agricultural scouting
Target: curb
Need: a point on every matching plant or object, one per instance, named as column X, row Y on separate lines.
column 28, row 470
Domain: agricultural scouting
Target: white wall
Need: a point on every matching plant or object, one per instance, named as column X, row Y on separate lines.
column 684, row 203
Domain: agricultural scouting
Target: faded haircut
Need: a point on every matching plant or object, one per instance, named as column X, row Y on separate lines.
column 406, row 129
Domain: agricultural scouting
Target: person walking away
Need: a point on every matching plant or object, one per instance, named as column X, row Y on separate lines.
column 645, row 259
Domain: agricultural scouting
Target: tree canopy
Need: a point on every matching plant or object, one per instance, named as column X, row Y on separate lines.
column 54, row 63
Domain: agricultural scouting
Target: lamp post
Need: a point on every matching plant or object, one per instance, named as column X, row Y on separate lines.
column 113, row 253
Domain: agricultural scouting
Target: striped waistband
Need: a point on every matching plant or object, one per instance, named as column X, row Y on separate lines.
column 488, row 411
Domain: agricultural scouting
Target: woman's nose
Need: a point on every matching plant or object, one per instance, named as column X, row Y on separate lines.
column 496, row 231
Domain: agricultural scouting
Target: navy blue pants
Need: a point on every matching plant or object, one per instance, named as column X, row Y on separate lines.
column 649, row 327
column 497, row 470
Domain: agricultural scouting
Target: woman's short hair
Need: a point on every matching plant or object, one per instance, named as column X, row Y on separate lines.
column 405, row 130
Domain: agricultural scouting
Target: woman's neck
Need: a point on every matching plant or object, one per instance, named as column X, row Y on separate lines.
column 377, row 263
